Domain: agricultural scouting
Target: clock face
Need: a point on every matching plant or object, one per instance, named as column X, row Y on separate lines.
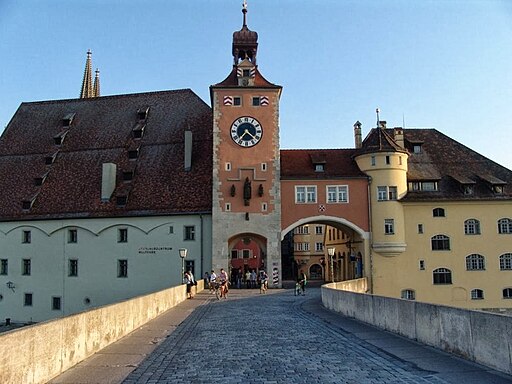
column 246, row 131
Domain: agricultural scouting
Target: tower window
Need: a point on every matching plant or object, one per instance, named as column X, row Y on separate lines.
column 246, row 73
column 389, row 226
column 227, row 167
column 388, row 160
column 237, row 100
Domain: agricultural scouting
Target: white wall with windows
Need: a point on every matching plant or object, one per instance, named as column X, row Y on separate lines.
column 52, row 268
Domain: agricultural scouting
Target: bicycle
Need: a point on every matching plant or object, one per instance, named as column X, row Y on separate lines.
column 263, row 286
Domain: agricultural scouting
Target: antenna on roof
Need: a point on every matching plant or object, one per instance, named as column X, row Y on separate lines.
column 403, row 120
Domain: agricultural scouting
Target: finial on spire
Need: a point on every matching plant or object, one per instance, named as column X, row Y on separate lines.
column 244, row 11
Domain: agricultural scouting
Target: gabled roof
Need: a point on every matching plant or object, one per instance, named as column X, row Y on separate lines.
column 101, row 131
column 300, row 164
column 453, row 166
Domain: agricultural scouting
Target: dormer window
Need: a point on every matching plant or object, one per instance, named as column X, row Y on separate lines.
column 57, row 140
column 319, row 167
column 133, row 154
column 497, row 189
column 416, row 148
column 68, row 119
column 128, row 176
column 138, row 133
column 142, row 113
column 468, row 189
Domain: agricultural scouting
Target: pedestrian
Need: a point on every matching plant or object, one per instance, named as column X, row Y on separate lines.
column 213, row 281
column 302, row 280
column 189, row 283
column 248, row 279
column 253, row 279
column 206, row 279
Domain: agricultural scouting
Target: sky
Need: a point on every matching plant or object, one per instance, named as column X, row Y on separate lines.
column 443, row 64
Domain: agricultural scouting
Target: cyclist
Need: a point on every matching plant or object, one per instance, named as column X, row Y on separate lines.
column 263, row 281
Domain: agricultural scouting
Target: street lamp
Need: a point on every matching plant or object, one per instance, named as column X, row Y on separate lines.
column 183, row 254
column 331, row 251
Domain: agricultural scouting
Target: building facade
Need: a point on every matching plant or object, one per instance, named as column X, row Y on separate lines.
column 100, row 193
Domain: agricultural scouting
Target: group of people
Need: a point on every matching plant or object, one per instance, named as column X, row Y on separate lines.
column 238, row 279
column 220, row 282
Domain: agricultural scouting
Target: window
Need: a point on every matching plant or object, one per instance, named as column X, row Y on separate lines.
column 264, row 167
column 422, row 265
column 189, row 232
column 305, row 194
column 507, row 293
column 4, row 267
column 171, row 230
column 438, row 212
column 122, row 235
column 255, row 101
column 26, row 267
column 228, row 207
column 475, row 262
column 388, row 160
column 505, row 226
column 337, row 194
column 302, row 246
column 427, row 186
column 477, row 294
column 440, row 243
column 382, row 193
column 127, row 176
column 227, row 167
column 319, row 230
column 498, row 189
column 190, row 266
column 471, row 227
column 302, row 230
column 263, row 207
column 319, row 247
column 416, row 148
column 234, row 253
column 56, row 303
column 468, row 189
column 246, row 73
column 133, row 154
column 408, row 294
column 72, row 236
column 27, row 300
column 319, row 167
column 506, row 262
column 420, row 228
column 237, row 100
column 373, row 160
column 246, row 253
column 389, row 226
column 122, row 268
column 73, row 267
column 26, row 237
column 442, row 276
column 393, row 193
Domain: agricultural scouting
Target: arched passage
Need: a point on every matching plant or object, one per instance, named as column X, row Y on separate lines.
column 248, row 253
column 305, row 243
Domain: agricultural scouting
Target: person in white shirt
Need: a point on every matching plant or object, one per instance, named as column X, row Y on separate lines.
column 213, row 280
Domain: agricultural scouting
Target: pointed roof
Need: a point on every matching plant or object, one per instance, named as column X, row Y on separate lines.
column 245, row 41
column 87, row 87
column 378, row 140
column 96, row 87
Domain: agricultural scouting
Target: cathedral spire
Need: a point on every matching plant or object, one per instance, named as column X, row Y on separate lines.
column 87, row 90
column 96, row 87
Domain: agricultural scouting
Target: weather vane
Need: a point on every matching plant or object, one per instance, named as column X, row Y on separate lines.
column 245, row 4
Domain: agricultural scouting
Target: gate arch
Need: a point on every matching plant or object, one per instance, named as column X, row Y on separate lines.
column 322, row 219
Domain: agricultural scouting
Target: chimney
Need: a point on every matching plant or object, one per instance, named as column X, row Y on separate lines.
column 398, row 134
column 108, row 180
column 357, row 135
column 382, row 124
column 188, row 150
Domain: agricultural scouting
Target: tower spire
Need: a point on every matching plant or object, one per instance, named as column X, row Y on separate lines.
column 245, row 41
column 96, row 87
column 87, row 90
column 244, row 11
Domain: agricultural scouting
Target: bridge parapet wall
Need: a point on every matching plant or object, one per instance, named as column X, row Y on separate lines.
column 36, row 354
column 482, row 337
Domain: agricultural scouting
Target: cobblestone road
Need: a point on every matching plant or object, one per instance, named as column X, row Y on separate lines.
column 280, row 338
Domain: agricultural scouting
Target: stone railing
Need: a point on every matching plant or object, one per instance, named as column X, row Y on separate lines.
column 37, row 353
column 482, row 337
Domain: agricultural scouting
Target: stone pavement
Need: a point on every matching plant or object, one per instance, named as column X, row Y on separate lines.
column 269, row 338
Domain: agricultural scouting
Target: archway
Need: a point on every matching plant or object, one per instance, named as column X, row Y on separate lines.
column 247, row 255
column 304, row 248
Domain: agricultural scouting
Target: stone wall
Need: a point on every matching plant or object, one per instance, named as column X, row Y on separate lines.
column 36, row 354
column 482, row 337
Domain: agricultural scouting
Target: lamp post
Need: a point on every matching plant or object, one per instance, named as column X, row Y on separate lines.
column 183, row 254
column 331, row 251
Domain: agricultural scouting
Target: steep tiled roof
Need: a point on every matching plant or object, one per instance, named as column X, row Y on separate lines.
column 453, row 166
column 232, row 81
column 300, row 164
column 380, row 140
column 102, row 132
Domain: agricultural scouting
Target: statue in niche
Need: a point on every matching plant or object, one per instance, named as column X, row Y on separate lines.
column 247, row 191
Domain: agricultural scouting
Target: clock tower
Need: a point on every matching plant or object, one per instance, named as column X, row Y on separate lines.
column 246, row 209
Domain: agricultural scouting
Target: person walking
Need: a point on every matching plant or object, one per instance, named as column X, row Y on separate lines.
column 189, row 282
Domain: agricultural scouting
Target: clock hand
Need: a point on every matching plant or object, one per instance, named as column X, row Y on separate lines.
column 249, row 133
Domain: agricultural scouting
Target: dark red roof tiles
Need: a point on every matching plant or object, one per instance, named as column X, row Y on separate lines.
column 101, row 132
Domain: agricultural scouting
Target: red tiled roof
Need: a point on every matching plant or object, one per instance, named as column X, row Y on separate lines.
column 300, row 164
column 101, row 132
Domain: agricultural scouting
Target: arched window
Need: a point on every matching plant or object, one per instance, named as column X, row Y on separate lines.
column 506, row 262
column 475, row 262
column 505, row 226
column 408, row 294
column 507, row 293
column 472, row 227
column 438, row 212
column 440, row 243
column 477, row 294
column 442, row 276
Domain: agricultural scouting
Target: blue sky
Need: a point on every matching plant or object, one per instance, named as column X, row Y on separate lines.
column 444, row 64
